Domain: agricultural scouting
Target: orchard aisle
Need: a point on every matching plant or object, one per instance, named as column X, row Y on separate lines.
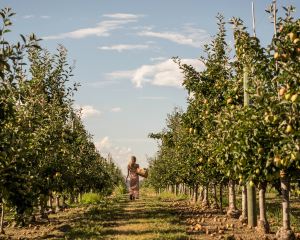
column 145, row 218
column 150, row 217
column 117, row 218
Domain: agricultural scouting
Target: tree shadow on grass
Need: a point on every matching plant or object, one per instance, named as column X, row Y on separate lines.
column 124, row 219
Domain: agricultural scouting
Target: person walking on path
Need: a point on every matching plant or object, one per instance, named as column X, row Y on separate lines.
column 133, row 178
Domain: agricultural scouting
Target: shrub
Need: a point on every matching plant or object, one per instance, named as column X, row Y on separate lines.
column 92, row 198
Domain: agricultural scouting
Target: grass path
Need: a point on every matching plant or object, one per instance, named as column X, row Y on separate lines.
column 145, row 218
column 117, row 218
column 150, row 217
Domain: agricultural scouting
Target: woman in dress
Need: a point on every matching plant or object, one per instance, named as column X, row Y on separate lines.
column 133, row 178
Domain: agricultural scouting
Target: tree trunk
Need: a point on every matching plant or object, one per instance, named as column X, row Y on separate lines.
column 221, row 198
column 196, row 193
column 244, row 216
column 64, row 204
column 71, row 198
column 192, row 193
column 57, row 209
column 43, row 206
column 205, row 201
column 176, row 189
column 201, row 194
column 185, row 189
column 50, row 203
column 232, row 210
column 172, row 189
column 80, row 197
column 181, row 189
column 285, row 233
column 215, row 198
column 76, row 199
column 2, row 219
column 263, row 222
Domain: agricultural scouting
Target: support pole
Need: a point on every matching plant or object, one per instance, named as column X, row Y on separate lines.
column 251, row 196
column 252, row 218
column 253, row 20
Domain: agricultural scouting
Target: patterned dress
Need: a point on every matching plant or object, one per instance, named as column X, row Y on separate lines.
column 134, row 181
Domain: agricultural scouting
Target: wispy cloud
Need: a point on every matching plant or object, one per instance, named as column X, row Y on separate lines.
column 28, row 16
column 156, row 59
column 123, row 47
column 189, row 35
column 122, row 16
column 166, row 73
column 116, row 109
column 45, row 17
column 120, row 75
column 88, row 111
column 102, row 29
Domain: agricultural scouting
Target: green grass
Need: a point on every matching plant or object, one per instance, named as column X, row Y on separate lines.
column 168, row 196
column 150, row 217
column 92, row 198
column 146, row 218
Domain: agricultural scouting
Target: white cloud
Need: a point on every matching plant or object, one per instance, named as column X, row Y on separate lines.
column 166, row 73
column 157, row 59
column 28, row 16
column 33, row 16
column 120, row 154
column 102, row 29
column 190, row 35
column 122, row 16
column 45, row 17
column 88, row 111
column 103, row 143
column 116, row 109
column 120, row 74
column 123, row 47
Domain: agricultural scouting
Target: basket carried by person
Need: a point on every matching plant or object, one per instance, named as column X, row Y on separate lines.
column 143, row 172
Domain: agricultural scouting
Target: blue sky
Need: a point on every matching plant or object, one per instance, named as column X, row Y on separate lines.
column 122, row 50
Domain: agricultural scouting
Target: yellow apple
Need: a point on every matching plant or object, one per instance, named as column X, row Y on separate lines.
column 295, row 156
column 296, row 40
column 260, row 150
column 277, row 159
column 289, row 129
column 294, row 97
column 229, row 100
column 292, row 36
column 287, row 96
